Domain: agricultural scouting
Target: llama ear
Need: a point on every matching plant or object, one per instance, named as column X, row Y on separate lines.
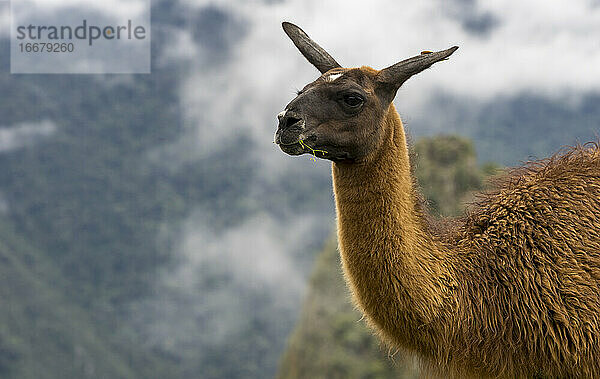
column 391, row 78
column 314, row 53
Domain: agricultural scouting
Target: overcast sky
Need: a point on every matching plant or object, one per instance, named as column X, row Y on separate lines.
column 506, row 46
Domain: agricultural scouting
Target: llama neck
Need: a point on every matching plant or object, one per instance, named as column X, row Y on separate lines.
column 394, row 266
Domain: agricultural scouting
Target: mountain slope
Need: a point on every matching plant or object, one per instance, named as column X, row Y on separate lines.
column 42, row 333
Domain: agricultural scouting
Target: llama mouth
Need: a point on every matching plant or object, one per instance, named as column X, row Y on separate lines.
column 290, row 136
column 292, row 148
column 294, row 142
column 281, row 143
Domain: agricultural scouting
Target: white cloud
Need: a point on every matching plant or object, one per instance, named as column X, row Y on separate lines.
column 181, row 46
column 131, row 8
column 258, row 252
column 24, row 134
column 257, row 259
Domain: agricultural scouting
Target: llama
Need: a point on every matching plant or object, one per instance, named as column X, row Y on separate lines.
column 511, row 289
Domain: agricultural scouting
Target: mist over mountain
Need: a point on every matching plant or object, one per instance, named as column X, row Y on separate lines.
column 511, row 130
column 176, row 229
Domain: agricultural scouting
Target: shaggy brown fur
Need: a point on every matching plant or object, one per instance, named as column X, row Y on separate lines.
column 510, row 290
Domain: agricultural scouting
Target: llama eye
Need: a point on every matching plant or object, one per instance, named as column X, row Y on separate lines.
column 353, row 100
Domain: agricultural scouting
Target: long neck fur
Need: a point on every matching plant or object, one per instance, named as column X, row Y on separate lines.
column 398, row 272
column 511, row 291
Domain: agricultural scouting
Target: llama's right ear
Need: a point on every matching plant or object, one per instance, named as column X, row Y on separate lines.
column 314, row 53
column 391, row 78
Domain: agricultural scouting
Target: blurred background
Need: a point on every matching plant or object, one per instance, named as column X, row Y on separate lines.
column 149, row 227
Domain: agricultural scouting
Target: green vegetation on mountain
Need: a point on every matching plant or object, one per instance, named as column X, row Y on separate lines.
column 89, row 200
column 447, row 172
column 43, row 334
column 330, row 340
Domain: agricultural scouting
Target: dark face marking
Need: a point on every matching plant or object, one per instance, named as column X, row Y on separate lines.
column 335, row 117
column 339, row 115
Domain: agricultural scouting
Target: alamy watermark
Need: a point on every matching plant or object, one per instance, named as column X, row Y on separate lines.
column 83, row 38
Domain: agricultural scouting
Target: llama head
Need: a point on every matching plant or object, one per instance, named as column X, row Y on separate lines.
column 340, row 115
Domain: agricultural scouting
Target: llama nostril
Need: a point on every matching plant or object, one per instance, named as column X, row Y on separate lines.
column 291, row 121
column 286, row 122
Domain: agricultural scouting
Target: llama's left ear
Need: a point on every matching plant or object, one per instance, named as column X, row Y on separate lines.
column 391, row 78
column 314, row 53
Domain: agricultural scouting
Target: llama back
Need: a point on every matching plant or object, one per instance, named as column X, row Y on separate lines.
column 537, row 270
